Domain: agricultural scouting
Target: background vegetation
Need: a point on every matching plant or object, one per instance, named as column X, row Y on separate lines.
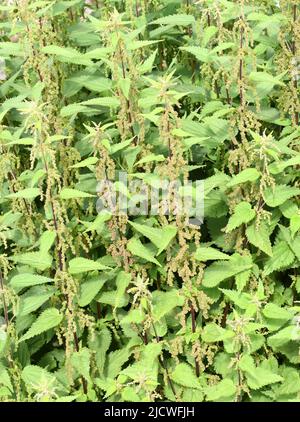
column 101, row 307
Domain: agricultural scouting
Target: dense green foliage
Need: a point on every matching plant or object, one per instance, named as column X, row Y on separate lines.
column 99, row 306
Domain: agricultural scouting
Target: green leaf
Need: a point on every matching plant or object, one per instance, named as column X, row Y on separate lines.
column 295, row 224
column 102, row 101
column 124, row 84
column 81, row 362
column 46, row 241
column 34, row 298
column 72, row 109
column 115, row 361
column 159, row 237
column 89, row 289
column 23, row 280
column 98, row 223
column 147, row 65
column 273, row 311
column 50, row 318
column 184, row 375
column 4, row 377
column 67, row 193
column 136, row 247
column 122, row 282
column 202, row 54
column 243, row 214
column 29, row 193
column 224, row 390
column 82, row 265
column 260, row 237
column 173, row 20
column 208, row 253
column 257, row 377
column 164, row 302
column 219, row 271
column 150, row 158
column 85, row 163
column 67, row 55
column 40, row 261
column 35, row 376
column 279, row 166
column 277, row 195
column 247, row 175
column 284, row 336
column 241, row 300
column 265, row 78
column 213, row 333
column 109, row 298
column 100, row 344
column 282, row 258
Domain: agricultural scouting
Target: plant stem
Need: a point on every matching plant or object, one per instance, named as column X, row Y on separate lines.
column 61, row 263
column 4, row 301
column 194, row 326
column 241, row 69
column 160, row 358
column 294, row 49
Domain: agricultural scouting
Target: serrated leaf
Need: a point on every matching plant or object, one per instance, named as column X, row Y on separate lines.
column 122, row 282
column 102, row 101
column 221, row 391
column 260, row 237
column 173, row 20
column 282, row 258
column 68, row 55
column 159, row 237
column 284, row 336
column 21, row 281
column 207, row 253
column 82, row 265
column 40, row 261
column 247, row 175
column 257, row 377
column 35, row 376
column 277, row 195
column 50, row 318
column 124, row 84
column 136, row 247
column 98, row 223
column 67, row 193
column 33, row 299
column 29, row 193
column 242, row 300
column 72, row 109
column 214, row 333
column 151, row 158
column 295, row 224
column 85, row 163
column 164, row 302
column 243, row 214
column 89, row 289
column 219, row 271
column 184, row 375
column 115, row 361
column 81, row 362
column 46, row 241
column 273, row 311
column 100, row 344
column 265, row 78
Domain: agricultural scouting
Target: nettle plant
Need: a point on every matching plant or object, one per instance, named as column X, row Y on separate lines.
column 100, row 304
